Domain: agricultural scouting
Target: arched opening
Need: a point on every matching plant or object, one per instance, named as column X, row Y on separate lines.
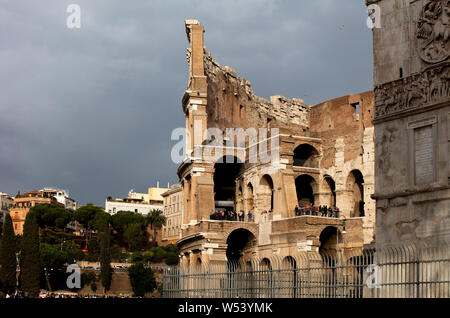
column 250, row 201
column 306, row 156
column 330, row 238
column 226, row 171
column 289, row 277
column 266, row 193
column 240, row 200
column 265, row 277
column 240, row 244
column 305, row 185
column 265, row 264
column 330, row 186
column 198, row 264
column 186, row 260
column 355, row 187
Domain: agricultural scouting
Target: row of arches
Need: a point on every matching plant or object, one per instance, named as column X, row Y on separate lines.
column 306, row 155
column 307, row 189
column 241, row 243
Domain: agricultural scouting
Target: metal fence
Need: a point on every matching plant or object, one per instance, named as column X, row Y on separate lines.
column 395, row 272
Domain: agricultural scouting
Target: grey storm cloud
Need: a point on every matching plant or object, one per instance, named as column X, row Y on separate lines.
column 92, row 109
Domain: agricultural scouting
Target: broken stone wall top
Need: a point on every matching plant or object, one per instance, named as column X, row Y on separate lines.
column 232, row 102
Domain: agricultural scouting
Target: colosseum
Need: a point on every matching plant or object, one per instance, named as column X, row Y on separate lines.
column 314, row 193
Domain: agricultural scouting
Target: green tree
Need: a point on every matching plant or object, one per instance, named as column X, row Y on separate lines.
column 122, row 219
column 156, row 219
column 30, row 276
column 137, row 257
column 91, row 218
column 100, row 221
column 85, row 214
column 87, row 278
column 172, row 259
column 158, row 254
column 105, row 260
column 51, row 256
column 73, row 250
column 93, row 247
column 18, row 240
column 51, row 215
column 54, row 235
column 142, row 279
column 8, row 261
column 116, row 254
column 172, row 248
column 133, row 236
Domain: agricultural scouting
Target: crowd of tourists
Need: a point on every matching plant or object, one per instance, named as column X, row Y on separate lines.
column 230, row 215
column 322, row 210
column 312, row 210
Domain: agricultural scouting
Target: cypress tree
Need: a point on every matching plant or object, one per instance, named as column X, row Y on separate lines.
column 8, row 260
column 105, row 260
column 30, row 266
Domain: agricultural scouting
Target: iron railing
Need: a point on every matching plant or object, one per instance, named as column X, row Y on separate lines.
column 394, row 272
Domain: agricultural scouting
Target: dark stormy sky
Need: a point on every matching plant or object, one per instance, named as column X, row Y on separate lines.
column 92, row 109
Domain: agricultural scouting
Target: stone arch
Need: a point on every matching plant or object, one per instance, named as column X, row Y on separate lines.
column 250, row 201
column 226, row 171
column 306, row 155
column 265, row 264
column 266, row 276
column 355, row 190
column 330, row 238
column 266, row 193
column 329, row 191
column 198, row 264
column 307, row 188
column 224, row 157
column 186, row 260
column 239, row 198
column 289, row 276
column 236, row 226
column 240, row 244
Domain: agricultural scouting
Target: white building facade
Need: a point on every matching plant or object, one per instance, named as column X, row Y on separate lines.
column 62, row 196
column 142, row 203
column 173, row 211
column 112, row 206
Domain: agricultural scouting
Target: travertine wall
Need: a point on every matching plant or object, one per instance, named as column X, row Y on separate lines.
column 340, row 131
column 412, row 98
column 348, row 145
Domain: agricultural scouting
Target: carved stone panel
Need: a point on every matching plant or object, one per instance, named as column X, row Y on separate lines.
column 417, row 91
column 433, row 31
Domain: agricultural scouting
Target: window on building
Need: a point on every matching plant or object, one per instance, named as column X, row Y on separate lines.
column 356, row 107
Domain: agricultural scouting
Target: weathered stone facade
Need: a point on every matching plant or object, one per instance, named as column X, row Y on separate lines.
column 412, row 121
column 326, row 157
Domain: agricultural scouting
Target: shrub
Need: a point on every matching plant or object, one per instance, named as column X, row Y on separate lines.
column 172, row 259
column 142, row 279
